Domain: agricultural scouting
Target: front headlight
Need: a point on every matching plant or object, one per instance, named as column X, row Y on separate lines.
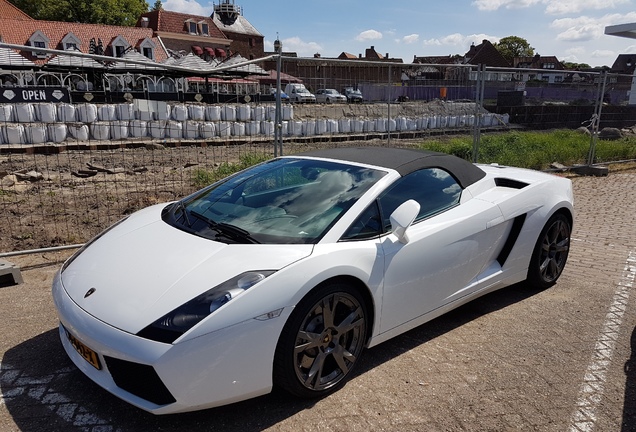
column 171, row 326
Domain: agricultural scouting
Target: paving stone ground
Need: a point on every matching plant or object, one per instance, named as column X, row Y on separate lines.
column 563, row 359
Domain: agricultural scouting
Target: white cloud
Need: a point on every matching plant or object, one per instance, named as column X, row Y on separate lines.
column 297, row 45
column 492, row 5
column 586, row 28
column 552, row 7
column 412, row 38
column 187, row 6
column 459, row 40
column 369, row 35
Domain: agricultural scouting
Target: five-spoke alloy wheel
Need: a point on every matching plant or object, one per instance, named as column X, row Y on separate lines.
column 322, row 341
column 551, row 252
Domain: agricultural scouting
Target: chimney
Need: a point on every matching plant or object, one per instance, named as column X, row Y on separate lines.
column 387, row 55
column 372, row 47
column 317, row 55
column 144, row 22
column 359, row 55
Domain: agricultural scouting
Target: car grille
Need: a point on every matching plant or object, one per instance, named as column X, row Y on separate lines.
column 140, row 380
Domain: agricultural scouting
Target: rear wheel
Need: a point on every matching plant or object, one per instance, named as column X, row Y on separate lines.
column 322, row 341
column 550, row 252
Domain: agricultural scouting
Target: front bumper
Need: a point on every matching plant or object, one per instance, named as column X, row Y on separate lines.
column 226, row 366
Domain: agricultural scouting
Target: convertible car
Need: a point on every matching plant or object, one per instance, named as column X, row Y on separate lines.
column 282, row 274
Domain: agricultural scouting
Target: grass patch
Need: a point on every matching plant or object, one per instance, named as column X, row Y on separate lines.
column 536, row 150
column 202, row 178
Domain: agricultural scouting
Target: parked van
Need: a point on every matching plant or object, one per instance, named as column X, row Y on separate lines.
column 299, row 93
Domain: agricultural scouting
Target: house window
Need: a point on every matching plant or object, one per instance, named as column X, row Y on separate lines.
column 147, row 48
column 71, row 42
column 39, row 40
column 191, row 26
column 120, row 50
column 147, row 52
column 205, row 28
column 119, row 46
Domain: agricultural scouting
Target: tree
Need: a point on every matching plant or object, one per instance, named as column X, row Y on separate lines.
column 157, row 6
column 514, row 46
column 112, row 12
column 576, row 66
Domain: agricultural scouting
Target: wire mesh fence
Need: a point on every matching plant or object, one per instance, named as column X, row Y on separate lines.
column 84, row 141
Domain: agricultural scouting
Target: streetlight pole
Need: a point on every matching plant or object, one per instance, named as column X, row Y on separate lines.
column 278, row 127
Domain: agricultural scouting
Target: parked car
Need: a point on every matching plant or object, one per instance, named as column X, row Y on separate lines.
column 283, row 96
column 353, row 95
column 298, row 93
column 330, row 96
column 283, row 273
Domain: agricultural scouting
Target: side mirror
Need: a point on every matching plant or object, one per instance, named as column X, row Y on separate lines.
column 402, row 218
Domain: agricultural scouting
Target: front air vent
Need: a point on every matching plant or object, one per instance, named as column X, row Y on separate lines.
column 509, row 183
column 140, row 380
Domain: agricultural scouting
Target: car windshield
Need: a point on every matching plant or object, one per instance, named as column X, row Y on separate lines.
column 287, row 200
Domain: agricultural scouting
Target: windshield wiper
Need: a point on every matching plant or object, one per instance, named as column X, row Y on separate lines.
column 227, row 230
column 179, row 204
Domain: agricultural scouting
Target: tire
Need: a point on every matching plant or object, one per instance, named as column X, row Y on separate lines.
column 550, row 252
column 321, row 342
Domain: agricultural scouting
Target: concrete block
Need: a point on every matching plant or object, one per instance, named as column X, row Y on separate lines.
column 9, row 274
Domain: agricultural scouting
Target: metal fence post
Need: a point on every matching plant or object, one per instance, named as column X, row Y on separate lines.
column 479, row 102
column 596, row 118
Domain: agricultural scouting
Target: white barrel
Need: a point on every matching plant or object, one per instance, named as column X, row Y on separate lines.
column 13, row 133
column 344, row 125
column 285, row 128
column 238, row 129
column 253, row 128
column 6, row 113
column 244, row 113
column 157, row 129
column 46, row 112
column 138, row 128
column 174, row 129
column 443, row 122
column 163, row 112
column 66, row 113
column 391, row 125
column 191, row 129
column 422, row 123
column 462, row 120
column 57, row 132
column 471, row 120
column 213, row 113
column 453, row 121
column 179, row 112
column 228, row 113
column 125, row 111
column 357, row 125
column 295, row 128
column 207, row 130
column 369, row 125
column 309, row 127
column 106, row 112
column 270, row 111
column 505, row 118
column 100, row 130
column 145, row 115
column 196, row 112
column 411, row 124
column 78, row 131
column 332, row 126
column 87, row 113
column 321, row 126
column 267, row 128
column 486, row 120
column 24, row 113
column 224, row 128
column 400, row 124
column 258, row 113
column 287, row 112
column 119, row 129
column 432, row 122
column 35, row 133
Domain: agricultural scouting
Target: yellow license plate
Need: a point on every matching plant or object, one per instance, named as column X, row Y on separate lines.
column 88, row 354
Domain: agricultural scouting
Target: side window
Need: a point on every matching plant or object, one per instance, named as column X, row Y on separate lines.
column 366, row 226
column 433, row 188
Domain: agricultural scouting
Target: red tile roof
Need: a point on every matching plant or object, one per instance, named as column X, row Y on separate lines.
column 19, row 31
column 174, row 22
column 8, row 10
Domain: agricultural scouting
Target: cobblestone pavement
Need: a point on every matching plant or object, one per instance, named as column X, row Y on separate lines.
column 563, row 359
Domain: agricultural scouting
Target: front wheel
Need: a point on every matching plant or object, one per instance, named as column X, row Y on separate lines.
column 322, row 341
column 550, row 252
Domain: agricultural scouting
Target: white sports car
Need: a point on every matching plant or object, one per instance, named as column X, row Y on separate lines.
column 283, row 273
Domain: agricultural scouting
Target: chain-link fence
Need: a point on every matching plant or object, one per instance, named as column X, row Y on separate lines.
column 85, row 140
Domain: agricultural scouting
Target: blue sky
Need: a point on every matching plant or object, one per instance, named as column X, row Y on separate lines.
column 572, row 30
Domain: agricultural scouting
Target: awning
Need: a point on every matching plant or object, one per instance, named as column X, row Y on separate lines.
column 210, row 51
column 197, row 49
column 220, row 52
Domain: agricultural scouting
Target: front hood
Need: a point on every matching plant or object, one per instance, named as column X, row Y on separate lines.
column 145, row 268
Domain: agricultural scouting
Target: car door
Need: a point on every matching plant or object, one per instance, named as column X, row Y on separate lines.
column 449, row 245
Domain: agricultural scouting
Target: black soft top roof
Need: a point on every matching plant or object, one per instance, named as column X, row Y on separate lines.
column 404, row 161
